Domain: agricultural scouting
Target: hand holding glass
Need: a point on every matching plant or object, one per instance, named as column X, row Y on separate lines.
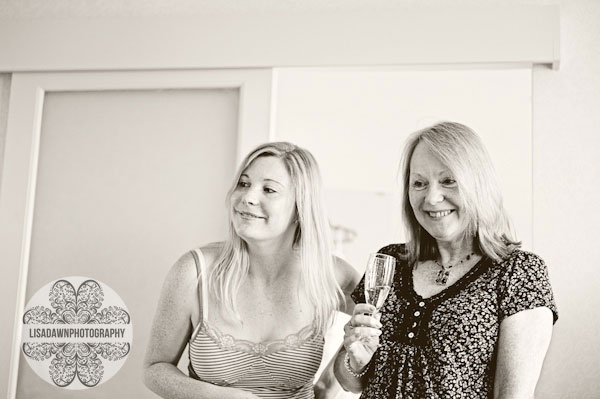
column 379, row 276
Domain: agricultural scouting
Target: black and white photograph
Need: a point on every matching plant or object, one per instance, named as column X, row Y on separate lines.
column 299, row 199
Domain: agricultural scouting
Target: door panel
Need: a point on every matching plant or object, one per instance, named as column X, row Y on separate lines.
column 127, row 182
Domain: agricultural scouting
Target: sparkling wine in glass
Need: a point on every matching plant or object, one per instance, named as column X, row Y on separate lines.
column 378, row 278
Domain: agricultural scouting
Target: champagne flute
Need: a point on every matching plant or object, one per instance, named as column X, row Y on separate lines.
column 379, row 276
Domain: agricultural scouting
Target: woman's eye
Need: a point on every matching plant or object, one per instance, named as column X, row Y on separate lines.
column 448, row 182
column 417, row 184
column 243, row 184
column 269, row 190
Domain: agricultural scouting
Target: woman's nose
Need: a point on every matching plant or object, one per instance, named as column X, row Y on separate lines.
column 250, row 197
column 434, row 195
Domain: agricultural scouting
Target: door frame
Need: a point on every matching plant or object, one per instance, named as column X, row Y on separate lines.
column 17, row 193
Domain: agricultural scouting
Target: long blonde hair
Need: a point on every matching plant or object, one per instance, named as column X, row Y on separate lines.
column 461, row 150
column 312, row 238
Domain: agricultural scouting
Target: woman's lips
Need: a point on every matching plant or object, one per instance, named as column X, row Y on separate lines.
column 439, row 214
column 248, row 215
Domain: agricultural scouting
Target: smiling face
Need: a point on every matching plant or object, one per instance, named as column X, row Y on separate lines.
column 435, row 198
column 263, row 203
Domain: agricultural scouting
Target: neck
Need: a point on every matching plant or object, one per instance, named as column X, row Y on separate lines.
column 271, row 262
column 452, row 252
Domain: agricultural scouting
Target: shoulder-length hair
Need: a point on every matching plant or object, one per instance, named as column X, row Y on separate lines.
column 312, row 238
column 461, row 150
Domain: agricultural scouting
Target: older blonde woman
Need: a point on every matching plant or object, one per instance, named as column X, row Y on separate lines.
column 469, row 315
column 254, row 309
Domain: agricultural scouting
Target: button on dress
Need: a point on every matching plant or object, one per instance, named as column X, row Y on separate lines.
column 444, row 346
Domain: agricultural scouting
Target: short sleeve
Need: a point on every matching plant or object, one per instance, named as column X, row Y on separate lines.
column 358, row 295
column 525, row 285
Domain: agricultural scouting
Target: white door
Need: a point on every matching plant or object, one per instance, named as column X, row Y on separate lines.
column 122, row 180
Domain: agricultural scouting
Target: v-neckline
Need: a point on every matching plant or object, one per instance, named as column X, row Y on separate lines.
column 451, row 290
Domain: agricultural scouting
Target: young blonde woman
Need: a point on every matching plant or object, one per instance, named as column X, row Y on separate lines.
column 254, row 309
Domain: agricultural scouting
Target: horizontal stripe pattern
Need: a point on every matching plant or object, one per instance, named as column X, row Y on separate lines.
column 281, row 369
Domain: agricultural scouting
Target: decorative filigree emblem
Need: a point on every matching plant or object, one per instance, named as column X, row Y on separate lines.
column 77, row 313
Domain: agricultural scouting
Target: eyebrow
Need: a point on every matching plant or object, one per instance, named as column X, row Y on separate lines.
column 441, row 173
column 269, row 180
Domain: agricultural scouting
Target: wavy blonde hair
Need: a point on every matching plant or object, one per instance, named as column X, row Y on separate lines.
column 312, row 238
column 461, row 150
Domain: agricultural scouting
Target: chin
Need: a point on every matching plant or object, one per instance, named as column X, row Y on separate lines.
column 250, row 237
column 452, row 237
column 244, row 232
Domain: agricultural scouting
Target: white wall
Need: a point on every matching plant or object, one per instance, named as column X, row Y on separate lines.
column 566, row 142
column 355, row 121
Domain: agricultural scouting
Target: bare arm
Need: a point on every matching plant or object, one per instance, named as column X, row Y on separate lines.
column 347, row 381
column 523, row 342
column 347, row 277
column 327, row 387
column 170, row 332
column 361, row 340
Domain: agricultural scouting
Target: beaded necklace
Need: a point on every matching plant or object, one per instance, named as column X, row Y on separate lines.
column 442, row 276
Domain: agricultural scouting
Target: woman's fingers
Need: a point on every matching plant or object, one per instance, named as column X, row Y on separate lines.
column 362, row 335
column 361, row 344
column 362, row 308
column 365, row 332
column 348, row 328
column 361, row 350
column 360, row 320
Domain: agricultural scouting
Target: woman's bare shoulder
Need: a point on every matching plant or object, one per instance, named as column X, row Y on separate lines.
column 346, row 274
column 180, row 281
column 211, row 252
column 183, row 272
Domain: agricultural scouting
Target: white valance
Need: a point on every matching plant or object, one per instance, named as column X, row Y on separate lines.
column 525, row 34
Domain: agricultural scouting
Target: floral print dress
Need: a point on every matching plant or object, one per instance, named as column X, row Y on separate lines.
column 445, row 346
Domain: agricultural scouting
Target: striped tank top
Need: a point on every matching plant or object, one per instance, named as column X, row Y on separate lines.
column 278, row 369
